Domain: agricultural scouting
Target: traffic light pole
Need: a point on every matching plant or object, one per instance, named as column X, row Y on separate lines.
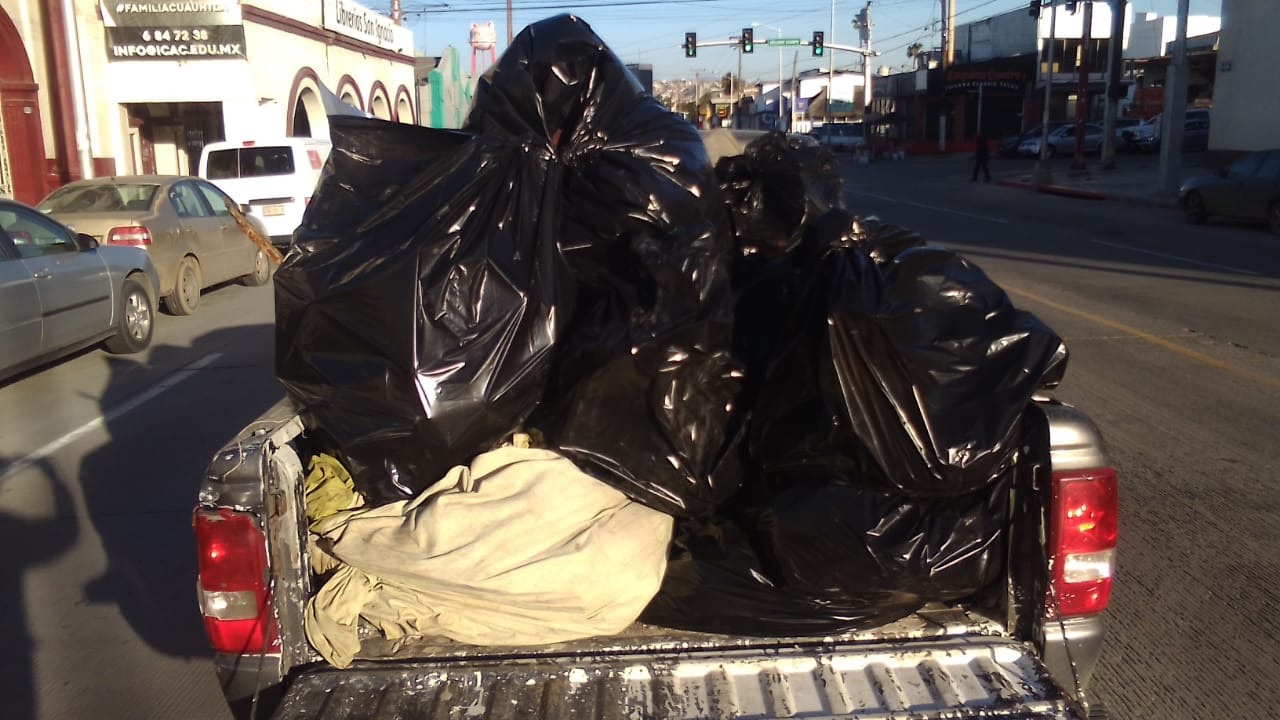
column 692, row 44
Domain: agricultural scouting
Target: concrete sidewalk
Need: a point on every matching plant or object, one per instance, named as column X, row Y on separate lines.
column 1134, row 179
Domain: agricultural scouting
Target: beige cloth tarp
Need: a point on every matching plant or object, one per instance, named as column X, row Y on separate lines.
column 520, row 548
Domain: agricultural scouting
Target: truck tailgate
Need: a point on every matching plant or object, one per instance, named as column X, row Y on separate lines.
column 989, row 677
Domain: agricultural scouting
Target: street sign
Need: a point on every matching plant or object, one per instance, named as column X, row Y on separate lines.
column 783, row 41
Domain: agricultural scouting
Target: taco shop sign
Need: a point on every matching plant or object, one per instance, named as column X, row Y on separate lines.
column 360, row 23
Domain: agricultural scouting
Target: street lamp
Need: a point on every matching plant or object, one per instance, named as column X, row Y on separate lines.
column 775, row 27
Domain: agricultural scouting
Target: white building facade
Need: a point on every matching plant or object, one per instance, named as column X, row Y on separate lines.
column 1246, row 102
column 149, row 83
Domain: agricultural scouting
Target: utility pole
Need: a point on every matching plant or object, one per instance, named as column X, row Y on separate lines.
column 948, row 33
column 509, row 35
column 1115, row 62
column 1044, row 167
column 1082, row 93
column 737, row 100
column 946, row 46
column 831, row 65
column 1173, row 122
column 864, row 33
column 795, row 89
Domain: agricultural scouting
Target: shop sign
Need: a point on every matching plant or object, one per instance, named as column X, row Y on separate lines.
column 209, row 30
column 360, row 23
column 170, row 14
column 962, row 80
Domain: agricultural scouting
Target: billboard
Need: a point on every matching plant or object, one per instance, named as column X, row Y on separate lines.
column 203, row 30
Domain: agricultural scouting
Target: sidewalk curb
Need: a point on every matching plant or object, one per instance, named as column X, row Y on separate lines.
column 1068, row 191
column 1064, row 190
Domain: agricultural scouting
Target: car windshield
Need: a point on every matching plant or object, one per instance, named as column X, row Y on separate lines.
column 98, row 197
column 249, row 162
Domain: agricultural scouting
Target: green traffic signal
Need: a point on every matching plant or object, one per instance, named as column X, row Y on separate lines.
column 817, row 43
column 691, row 45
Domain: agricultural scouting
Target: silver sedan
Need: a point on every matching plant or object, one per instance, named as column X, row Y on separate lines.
column 60, row 291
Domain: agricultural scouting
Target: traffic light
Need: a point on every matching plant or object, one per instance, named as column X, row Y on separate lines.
column 817, row 46
column 747, row 40
column 691, row 45
column 1034, row 8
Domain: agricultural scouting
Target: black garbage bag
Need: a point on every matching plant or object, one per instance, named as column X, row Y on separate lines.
column 865, row 334
column 829, row 557
column 644, row 380
column 776, row 191
column 444, row 283
column 415, row 318
column 932, row 361
column 821, row 552
column 888, row 385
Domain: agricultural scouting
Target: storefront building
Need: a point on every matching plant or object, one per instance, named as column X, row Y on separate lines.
column 158, row 80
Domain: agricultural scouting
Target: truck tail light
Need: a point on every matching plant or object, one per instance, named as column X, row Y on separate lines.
column 1082, row 539
column 234, row 596
column 134, row 235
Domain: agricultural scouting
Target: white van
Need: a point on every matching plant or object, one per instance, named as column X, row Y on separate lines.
column 274, row 179
column 841, row 136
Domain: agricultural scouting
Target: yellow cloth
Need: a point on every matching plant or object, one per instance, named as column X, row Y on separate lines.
column 328, row 489
column 520, row 548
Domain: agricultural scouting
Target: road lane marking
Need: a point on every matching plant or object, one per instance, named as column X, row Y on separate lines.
column 48, row 450
column 1179, row 258
column 935, row 208
column 1153, row 339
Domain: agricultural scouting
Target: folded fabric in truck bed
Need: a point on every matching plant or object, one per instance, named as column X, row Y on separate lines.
column 519, row 548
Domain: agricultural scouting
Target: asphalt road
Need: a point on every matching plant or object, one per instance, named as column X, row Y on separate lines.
column 100, row 461
column 1176, row 355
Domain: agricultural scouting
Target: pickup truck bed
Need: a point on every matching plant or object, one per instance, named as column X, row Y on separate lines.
column 943, row 661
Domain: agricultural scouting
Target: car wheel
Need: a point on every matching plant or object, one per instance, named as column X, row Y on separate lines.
column 186, row 290
column 1194, row 207
column 261, row 271
column 1273, row 217
column 135, row 319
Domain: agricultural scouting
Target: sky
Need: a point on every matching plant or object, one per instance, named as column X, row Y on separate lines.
column 652, row 31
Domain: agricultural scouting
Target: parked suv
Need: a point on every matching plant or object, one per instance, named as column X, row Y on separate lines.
column 274, row 179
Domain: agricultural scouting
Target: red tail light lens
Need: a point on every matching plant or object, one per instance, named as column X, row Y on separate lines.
column 234, row 595
column 1083, row 540
column 135, row 235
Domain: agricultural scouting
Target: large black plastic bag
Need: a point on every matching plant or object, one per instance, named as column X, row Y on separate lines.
column 872, row 360
column 933, row 362
column 414, row 323
column 644, row 380
column 576, row 225
column 776, row 192
column 829, row 556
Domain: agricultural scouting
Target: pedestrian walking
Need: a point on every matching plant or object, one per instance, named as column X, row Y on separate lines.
column 980, row 154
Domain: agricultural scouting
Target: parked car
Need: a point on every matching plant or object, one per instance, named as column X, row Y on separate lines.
column 1008, row 147
column 183, row 222
column 841, row 136
column 1062, row 141
column 61, row 291
column 1136, row 136
column 1195, row 133
column 273, row 179
column 1248, row 189
column 1125, row 133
